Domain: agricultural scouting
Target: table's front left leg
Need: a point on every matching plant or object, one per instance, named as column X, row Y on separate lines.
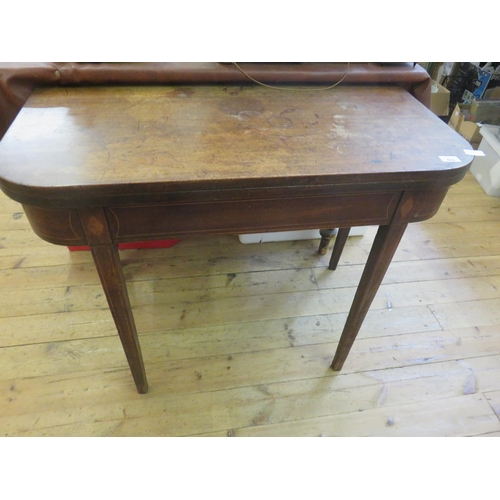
column 109, row 268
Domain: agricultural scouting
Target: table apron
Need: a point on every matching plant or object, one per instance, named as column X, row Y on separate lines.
column 129, row 223
column 168, row 220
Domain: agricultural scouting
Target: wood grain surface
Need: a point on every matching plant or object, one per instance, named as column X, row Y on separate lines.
column 88, row 139
column 238, row 338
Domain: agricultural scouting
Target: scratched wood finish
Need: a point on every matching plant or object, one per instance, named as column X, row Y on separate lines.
column 64, row 374
column 164, row 137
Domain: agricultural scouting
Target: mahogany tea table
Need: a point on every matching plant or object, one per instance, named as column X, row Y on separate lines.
column 103, row 165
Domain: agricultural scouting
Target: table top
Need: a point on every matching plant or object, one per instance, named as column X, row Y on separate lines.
column 17, row 80
column 94, row 140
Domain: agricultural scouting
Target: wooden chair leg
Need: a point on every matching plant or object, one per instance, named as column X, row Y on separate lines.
column 383, row 249
column 109, row 268
column 340, row 240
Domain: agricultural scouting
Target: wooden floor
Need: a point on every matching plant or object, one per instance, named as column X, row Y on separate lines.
column 238, row 339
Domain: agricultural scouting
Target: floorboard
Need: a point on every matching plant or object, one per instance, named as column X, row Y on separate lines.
column 238, row 339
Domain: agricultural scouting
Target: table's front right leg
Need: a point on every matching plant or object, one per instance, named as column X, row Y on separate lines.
column 383, row 249
column 413, row 206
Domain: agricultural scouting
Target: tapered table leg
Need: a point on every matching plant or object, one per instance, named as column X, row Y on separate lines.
column 109, row 268
column 385, row 244
column 340, row 241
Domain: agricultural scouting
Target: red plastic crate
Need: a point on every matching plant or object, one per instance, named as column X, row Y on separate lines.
column 135, row 245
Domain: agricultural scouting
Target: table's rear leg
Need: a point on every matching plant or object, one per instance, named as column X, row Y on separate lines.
column 326, row 236
column 109, row 268
column 340, row 241
column 383, row 249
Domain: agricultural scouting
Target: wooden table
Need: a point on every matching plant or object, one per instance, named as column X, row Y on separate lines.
column 102, row 165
